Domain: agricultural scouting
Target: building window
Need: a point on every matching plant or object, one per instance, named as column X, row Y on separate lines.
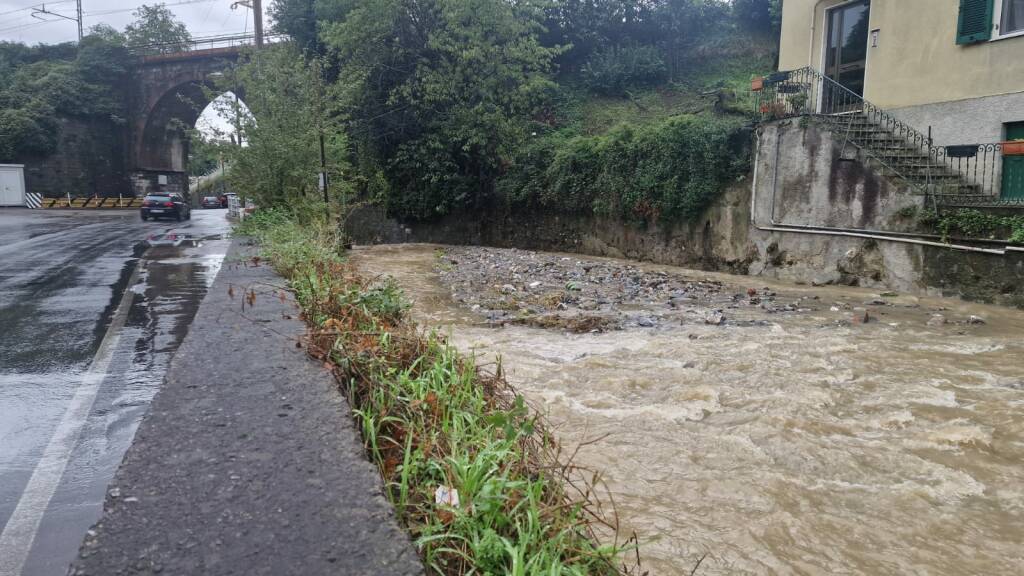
column 1011, row 17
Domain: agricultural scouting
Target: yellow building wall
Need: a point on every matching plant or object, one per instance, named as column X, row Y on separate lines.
column 917, row 60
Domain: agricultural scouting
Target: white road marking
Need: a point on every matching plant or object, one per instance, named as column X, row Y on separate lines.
column 20, row 531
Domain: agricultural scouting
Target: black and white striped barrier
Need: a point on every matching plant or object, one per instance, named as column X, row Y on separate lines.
column 33, row 200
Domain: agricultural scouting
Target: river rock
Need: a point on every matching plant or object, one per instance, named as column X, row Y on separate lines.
column 937, row 320
column 976, row 320
column 715, row 318
column 860, row 317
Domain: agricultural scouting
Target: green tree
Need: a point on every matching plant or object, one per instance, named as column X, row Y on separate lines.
column 204, row 154
column 108, row 34
column 279, row 163
column 297, row 19
column 157, row 30
column 438, row 93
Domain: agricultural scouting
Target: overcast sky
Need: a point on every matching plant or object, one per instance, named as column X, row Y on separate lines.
column 203, row 18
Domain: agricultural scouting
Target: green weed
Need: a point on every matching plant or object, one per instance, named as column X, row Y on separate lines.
column 430, row 418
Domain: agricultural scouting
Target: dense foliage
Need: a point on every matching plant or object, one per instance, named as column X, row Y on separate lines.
column 204, row 154
column 41, row 83
column 614, row 70
column 446, row 102
column 669, row 170
column 279, row 163
column 970, row 223
column 436, row 93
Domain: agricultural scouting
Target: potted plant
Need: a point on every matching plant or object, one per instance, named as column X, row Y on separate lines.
column 1013, row 148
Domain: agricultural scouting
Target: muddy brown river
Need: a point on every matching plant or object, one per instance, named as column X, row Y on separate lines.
column 799, row 446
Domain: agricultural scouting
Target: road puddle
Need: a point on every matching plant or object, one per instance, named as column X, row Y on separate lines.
column 787, row 438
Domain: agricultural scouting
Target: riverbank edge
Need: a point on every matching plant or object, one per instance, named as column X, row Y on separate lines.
column 470, row 468
column 727, row 239
column 247, row 461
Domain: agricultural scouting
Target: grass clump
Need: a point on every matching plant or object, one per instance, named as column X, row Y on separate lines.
column 430, row 418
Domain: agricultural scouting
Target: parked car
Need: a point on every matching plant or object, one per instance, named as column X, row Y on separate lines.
column 166, row 205
column 211, row 202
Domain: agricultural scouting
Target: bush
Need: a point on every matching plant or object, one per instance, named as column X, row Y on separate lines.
column 615, row 70
column 977, row 224
column 667, row 171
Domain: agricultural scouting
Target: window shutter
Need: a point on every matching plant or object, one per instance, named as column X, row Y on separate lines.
column 975, row 22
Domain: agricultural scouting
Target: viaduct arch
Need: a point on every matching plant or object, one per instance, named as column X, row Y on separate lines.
column 168, row 92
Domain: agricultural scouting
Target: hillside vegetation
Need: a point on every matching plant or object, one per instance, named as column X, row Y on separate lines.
column 432, row 107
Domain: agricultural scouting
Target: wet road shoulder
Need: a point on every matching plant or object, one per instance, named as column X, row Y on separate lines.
column 248, row 461
column 92, row 307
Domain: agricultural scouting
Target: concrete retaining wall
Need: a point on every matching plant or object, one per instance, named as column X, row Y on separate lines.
column 803, row 176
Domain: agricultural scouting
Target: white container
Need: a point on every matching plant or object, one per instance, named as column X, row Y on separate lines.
column 12, row 185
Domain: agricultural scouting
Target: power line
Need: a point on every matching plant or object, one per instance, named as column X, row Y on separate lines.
column 32, row 7
column 77, row 19
column 123, row 10
column 26, row 26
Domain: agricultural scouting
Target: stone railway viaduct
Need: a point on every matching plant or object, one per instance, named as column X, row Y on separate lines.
column 149, row 150
column 168, row 88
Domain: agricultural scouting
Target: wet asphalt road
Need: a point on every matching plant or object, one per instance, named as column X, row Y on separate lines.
column 90, row 315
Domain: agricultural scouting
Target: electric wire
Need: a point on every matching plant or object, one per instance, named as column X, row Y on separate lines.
column 124, row 10
column 34, row 6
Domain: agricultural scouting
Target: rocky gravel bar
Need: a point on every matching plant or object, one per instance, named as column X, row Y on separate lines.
column 579, row 294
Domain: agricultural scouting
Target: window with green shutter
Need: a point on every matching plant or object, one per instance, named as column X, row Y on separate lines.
column 975, row 22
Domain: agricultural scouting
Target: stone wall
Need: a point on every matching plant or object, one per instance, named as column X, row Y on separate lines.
column 804, row 181
column 145, row 182
column 89, row 161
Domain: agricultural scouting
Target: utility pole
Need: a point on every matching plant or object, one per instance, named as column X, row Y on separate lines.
column 257, row 15
column 41, row 10
column 79, row 13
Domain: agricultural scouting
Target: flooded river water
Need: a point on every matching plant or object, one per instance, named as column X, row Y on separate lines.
column 796, row 445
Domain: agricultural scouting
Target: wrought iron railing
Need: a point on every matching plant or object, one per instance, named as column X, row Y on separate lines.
column 979, row 165
column 908, row 153
column 807, row 91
